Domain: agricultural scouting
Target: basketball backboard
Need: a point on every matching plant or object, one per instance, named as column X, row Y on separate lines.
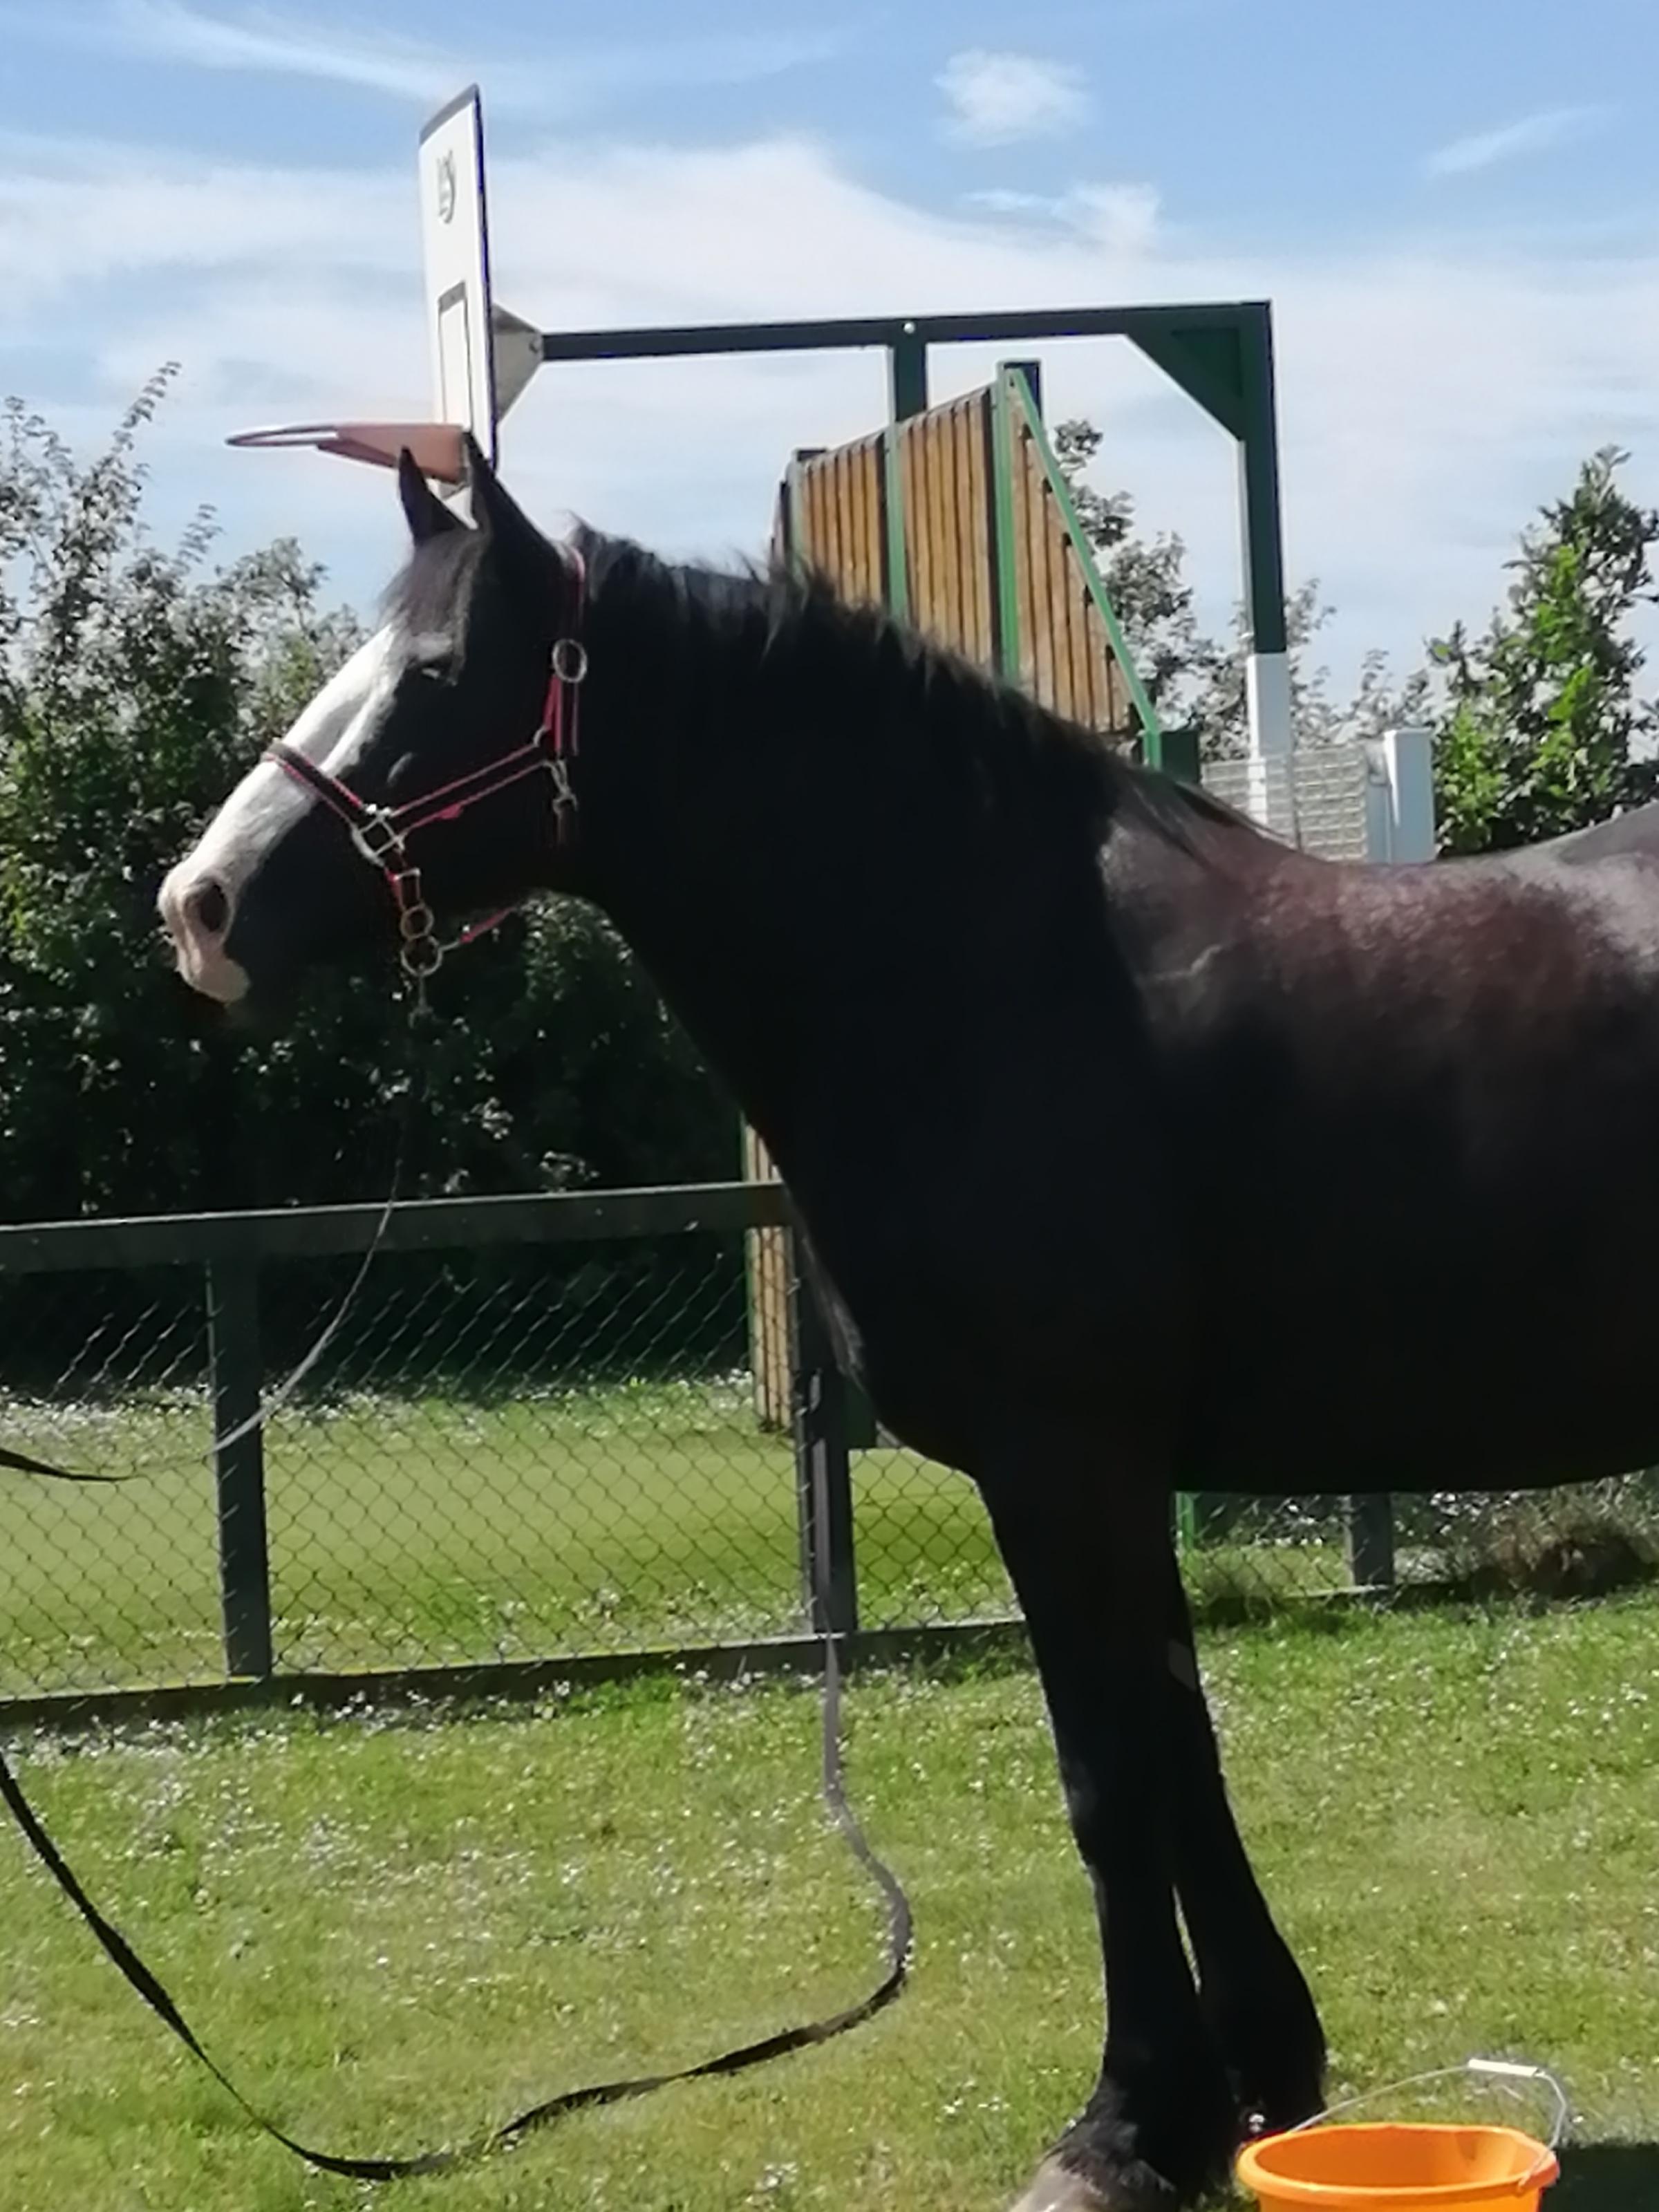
column 455, row 252
column 480, row 356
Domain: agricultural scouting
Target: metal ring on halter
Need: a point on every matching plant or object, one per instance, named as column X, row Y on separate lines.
column 422, row 955
column 569, row 660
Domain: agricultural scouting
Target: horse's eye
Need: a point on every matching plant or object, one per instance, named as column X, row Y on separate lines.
column 434, row 671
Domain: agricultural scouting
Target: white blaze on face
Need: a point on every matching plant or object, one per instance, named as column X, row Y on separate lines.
column 198, row 900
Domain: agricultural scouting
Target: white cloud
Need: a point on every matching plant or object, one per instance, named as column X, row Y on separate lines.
column 996, row 98
column 1512, row 142
column 266, row 42
column 170, row 31
column 1122, row 218
column 1431, row 393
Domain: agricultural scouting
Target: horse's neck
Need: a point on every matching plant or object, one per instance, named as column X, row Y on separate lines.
column 784, row 880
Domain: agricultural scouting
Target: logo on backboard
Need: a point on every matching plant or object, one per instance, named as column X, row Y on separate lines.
column 446, row 187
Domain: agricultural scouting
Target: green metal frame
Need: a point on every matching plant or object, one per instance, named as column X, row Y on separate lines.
column 1018, row 409
column 1221, row 354
column 1003, row 571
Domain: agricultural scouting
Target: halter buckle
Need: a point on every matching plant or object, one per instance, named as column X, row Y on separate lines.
column 376, row 838
column 564, row 796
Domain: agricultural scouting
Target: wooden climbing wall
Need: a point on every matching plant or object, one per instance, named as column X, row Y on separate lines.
column 959, row 521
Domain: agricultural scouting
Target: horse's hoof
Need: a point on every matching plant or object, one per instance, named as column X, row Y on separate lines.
column 1057, row 2188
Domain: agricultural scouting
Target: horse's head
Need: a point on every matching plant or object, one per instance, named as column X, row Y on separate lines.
column 428, row 783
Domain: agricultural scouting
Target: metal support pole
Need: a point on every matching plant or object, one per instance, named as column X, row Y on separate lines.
column 232, row 1292
column 1370, row 1540
column 824, row 1471
column 1267, row 668
column 906, row 374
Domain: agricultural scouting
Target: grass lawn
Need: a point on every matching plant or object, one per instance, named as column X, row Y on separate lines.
column 395, row 1928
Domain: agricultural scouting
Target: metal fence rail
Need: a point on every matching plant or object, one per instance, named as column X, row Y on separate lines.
column 540, row 1437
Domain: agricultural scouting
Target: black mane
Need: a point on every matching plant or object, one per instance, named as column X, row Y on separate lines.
column 968, row 720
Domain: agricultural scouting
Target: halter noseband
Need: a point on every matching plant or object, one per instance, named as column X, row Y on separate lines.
column 381, row 833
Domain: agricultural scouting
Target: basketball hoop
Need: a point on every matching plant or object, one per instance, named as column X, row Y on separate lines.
column 436, row 447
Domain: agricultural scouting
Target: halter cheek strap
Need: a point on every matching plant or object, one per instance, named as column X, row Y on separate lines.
column 380, row 833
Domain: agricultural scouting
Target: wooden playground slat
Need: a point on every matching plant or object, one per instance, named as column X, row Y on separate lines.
column 971, row 443
column 870, row 504
column 1077, row 627
column 1056, row 554
column 810, row 538
column 1037, row 537
column 835, row 518
column 941, row 551
column 858, row 570
column 954, row 509
column 1100, row 697
column 829, row 551
column 1077, row 630
column 858, row 533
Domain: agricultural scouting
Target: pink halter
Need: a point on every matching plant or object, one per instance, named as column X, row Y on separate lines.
column 380, row 833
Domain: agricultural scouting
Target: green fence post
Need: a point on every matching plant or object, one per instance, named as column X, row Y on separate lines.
column 239, row 1468
column 907, row 375
column 823, row 1469
column 1179, row 756
column 1370, row 1540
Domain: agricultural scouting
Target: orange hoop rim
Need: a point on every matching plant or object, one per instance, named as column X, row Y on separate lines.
column 436, row 447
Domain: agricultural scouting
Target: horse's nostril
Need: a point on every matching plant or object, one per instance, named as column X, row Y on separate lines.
column 208, row 908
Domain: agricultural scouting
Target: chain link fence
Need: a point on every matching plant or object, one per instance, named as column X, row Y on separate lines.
column 509, row 1451
column 542, row 1433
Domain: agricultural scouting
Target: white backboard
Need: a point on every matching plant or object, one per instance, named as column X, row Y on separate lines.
column 455, row 241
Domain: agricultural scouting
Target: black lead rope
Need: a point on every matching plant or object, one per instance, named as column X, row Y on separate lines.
column 155, row 1994
column 272, row 1401
column 20, row 1463
column 154, row 1991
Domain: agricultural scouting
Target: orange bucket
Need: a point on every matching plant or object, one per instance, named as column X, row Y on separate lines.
column 1401, row 2166
column 1398, row 2167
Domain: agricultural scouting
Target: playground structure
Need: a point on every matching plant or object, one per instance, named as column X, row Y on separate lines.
column 956, row 518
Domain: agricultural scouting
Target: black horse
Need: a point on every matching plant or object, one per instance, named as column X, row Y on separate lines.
column 1134, row 1149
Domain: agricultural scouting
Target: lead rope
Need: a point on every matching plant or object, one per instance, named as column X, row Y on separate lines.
column 272, row 1401
column 155, row 1994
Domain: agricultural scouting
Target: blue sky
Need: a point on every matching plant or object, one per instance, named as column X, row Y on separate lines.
column 1454, row 209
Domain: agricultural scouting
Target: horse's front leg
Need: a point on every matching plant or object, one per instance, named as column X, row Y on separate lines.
column 1250, row 1989
column 1087, row 1561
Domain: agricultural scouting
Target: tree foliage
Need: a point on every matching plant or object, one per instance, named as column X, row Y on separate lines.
column 1541, row 731
column 1195, row 680
column 135, row 684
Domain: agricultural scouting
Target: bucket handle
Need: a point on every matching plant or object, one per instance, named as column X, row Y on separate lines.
column 1503, row 2071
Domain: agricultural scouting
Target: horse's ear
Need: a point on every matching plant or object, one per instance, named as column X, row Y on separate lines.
column 497, row 514
column 425, row 513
